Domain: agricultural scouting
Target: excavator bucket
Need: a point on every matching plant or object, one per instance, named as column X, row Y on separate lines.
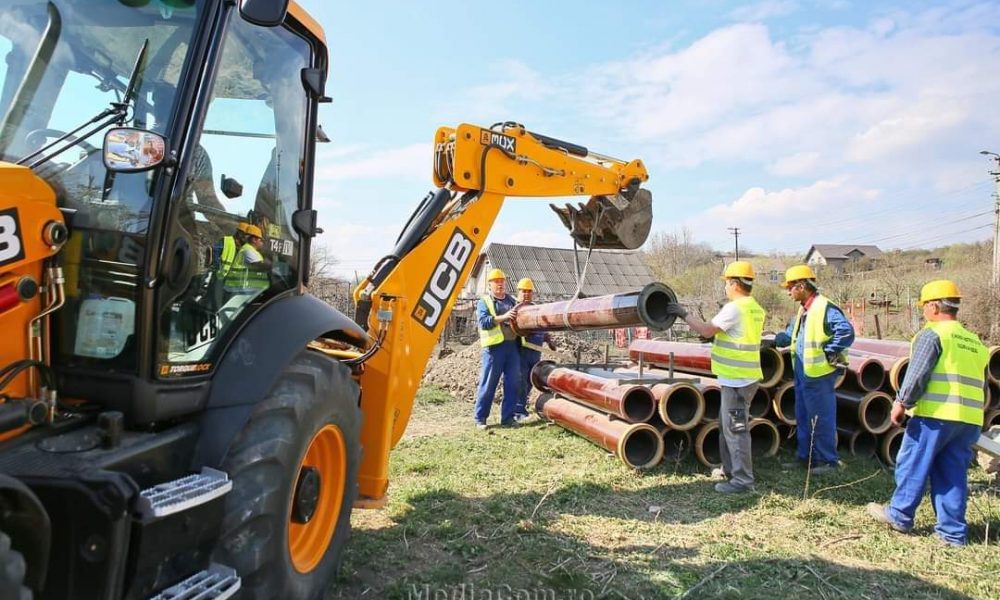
column 610, row 222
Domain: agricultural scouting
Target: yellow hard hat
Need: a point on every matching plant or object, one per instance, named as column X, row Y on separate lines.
column 740, row 269
column 243, row 227
column 797, row 273
column 495, row 274
column 254, row 231
column 939, row 289
column 526, row 284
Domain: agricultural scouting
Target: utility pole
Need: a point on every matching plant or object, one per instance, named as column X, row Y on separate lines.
column 995, row 281
column 736, row 234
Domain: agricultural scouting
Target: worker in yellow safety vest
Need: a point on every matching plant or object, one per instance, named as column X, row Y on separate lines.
column 944, row 391
column 736, row 333
column 531, row 349
column 818, row 338
column 500, row 351
column 227, row 248
column 249, row 272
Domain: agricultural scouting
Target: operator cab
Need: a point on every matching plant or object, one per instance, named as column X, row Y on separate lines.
column 153, row 288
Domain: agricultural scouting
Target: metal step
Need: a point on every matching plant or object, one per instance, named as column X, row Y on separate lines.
column 184, row 493
column 217, row 582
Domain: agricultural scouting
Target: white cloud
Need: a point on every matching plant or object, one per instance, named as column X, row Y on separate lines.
column 784, row 219
column 764, row 10
column 801, row 163
column 406, row 162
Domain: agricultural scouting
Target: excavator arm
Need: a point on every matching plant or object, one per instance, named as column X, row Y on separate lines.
column 406, row 300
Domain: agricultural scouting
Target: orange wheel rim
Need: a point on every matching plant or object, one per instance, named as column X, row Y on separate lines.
column 308, row 542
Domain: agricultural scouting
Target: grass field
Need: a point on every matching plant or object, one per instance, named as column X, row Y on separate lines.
column 537, row 512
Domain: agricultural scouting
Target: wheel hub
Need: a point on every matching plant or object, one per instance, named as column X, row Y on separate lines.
column 307, row 491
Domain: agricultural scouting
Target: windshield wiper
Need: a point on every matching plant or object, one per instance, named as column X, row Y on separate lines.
column 116, row 113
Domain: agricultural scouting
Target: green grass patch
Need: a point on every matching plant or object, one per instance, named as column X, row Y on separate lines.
column 538, row 512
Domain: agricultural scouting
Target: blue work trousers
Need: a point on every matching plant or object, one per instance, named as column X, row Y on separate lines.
column 500, row 359
column 938, row 451
column 529, row 358
column 815, row 398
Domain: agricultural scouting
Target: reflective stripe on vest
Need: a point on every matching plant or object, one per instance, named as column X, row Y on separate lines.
column 525, row 343
column 227, row 255
column 955, row 389
column 242, row 277
column 490, row 337
column 739, row 358
column 814, row 362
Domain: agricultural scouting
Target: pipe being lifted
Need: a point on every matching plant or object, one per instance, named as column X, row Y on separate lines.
column 697, row 358
column 645, row 308
column 634, row 403
column 638, row 445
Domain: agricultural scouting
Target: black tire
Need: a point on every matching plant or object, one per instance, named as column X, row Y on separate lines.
column 12, row 569
column 263, row 462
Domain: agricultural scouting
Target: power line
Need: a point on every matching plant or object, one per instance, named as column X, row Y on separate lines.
column 902, row 196
column 923, row 228
column 946, row 235
column 736, row 234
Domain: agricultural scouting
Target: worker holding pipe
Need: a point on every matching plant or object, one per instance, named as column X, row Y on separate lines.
column 819, row 337
column 736, row 335
column 530, row 350
column 501, row 354
column 944, row 391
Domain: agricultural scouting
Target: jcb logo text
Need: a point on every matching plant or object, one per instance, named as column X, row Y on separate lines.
column 443, row 280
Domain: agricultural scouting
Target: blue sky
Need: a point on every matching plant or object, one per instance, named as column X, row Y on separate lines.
column 799, row 121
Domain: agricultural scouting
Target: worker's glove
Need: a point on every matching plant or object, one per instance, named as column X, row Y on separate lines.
column 676, row 310
column 836, row 359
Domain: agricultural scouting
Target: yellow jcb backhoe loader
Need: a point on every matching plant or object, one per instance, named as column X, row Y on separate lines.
column 179, row 417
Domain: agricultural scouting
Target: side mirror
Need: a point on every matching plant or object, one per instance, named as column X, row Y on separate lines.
column 128, row 150
column 265, row 13
column 230, row 187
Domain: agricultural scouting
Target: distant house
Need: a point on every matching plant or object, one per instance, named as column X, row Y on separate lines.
column 553, row 271
column 933, row 263
column 837, row 256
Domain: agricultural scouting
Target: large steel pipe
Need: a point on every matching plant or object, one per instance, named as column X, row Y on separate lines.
column 697, row 358
column 680, row 404
column 783, row 402
column 889, row 445
column 638, row 445
column 991, row 418
column 634, row 403
column 764, row 438
column 993, row 369
column 870, row 411
column 858, row 441
column 867, row 373
column 886, row 347
column 647, row 307
column 760, row 404
column 676, row 444
column 706, row 445
column 711, row 393
column 994, row 399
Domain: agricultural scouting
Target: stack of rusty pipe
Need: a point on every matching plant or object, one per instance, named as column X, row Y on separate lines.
column 689, row 360
column 608, row 414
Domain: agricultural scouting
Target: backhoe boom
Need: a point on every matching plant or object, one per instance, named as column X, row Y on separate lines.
column 410, row 294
